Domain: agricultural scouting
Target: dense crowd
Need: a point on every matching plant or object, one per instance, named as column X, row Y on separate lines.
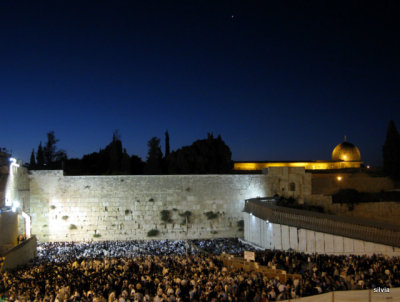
column 177, row 271
column 66, row 251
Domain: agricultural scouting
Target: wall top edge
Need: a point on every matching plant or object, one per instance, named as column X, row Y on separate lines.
column 61, row 173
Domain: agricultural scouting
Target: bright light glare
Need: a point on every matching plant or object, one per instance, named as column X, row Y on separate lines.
column 15, row 206
column 13, row 162
column 28, row 224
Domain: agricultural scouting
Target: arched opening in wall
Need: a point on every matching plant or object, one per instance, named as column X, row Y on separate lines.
column 292, row 187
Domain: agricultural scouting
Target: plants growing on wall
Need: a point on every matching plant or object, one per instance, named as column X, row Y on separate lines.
column 185, row 215
column 166, row 216
column 72, row 227
column 65, row 217
column 152, row 233
column 240, row 225
column 96, row 235
column 211, row 215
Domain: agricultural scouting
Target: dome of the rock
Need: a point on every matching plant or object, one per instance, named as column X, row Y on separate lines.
column 346, row 152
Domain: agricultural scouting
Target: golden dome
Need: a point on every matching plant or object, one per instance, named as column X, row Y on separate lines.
column 346, row 152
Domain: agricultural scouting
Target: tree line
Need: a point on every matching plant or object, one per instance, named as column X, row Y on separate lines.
column 391, row 152
column 209, row 155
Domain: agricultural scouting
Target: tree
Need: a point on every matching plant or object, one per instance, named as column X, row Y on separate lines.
column 115, row 153
column 49, row 149
column 209, row 155
column 40, row 157
column 125, row 163
column 136, row 165
column 32, row 161
column 52, row 156
column 112, row 160
column 391, row 152
column 154, row 157
column 166, row 154
column 166, row 144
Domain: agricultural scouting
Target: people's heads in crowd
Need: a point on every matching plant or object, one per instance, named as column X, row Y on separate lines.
column 167, row 270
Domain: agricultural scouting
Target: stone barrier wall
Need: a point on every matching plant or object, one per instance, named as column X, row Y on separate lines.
column 328, row 183
column 20, row 254
column 284, row 237
column 371, row 295
column 84, row 208
column 384, row 211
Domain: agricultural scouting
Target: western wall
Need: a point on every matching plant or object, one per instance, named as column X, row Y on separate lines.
column 76, row 208
column 84, row 208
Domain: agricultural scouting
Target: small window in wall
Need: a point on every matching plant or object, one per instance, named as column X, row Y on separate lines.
column 292, row 187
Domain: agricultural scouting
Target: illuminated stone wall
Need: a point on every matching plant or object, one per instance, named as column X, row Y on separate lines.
column 289, row 182
column 17, row 188
column 312, row 165
column 76, row 208
column 8, row 230
column 14, row 189
column 4, row 167
column 14, row 183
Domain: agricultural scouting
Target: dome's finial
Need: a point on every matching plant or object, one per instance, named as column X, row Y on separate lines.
column 345, row 138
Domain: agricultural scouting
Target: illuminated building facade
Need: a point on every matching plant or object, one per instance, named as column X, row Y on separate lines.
column 344, row 156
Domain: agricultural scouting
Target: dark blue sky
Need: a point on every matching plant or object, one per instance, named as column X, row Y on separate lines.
column 279, row 80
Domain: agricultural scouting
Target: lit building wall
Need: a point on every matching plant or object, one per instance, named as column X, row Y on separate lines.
column 317, row 165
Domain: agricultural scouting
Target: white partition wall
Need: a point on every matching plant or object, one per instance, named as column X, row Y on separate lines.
column 302, row 233
column 348, row 245
column 293, row 238
column 338, row 245
column 276, row 230
column 310, row 236
column 328, row 239
column 319, row 243
column 270, row 236
column 283, row 237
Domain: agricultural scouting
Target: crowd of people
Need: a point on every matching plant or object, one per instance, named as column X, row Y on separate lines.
column 181, row 271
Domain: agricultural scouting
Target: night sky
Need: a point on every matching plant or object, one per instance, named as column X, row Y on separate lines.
column 279, row 80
